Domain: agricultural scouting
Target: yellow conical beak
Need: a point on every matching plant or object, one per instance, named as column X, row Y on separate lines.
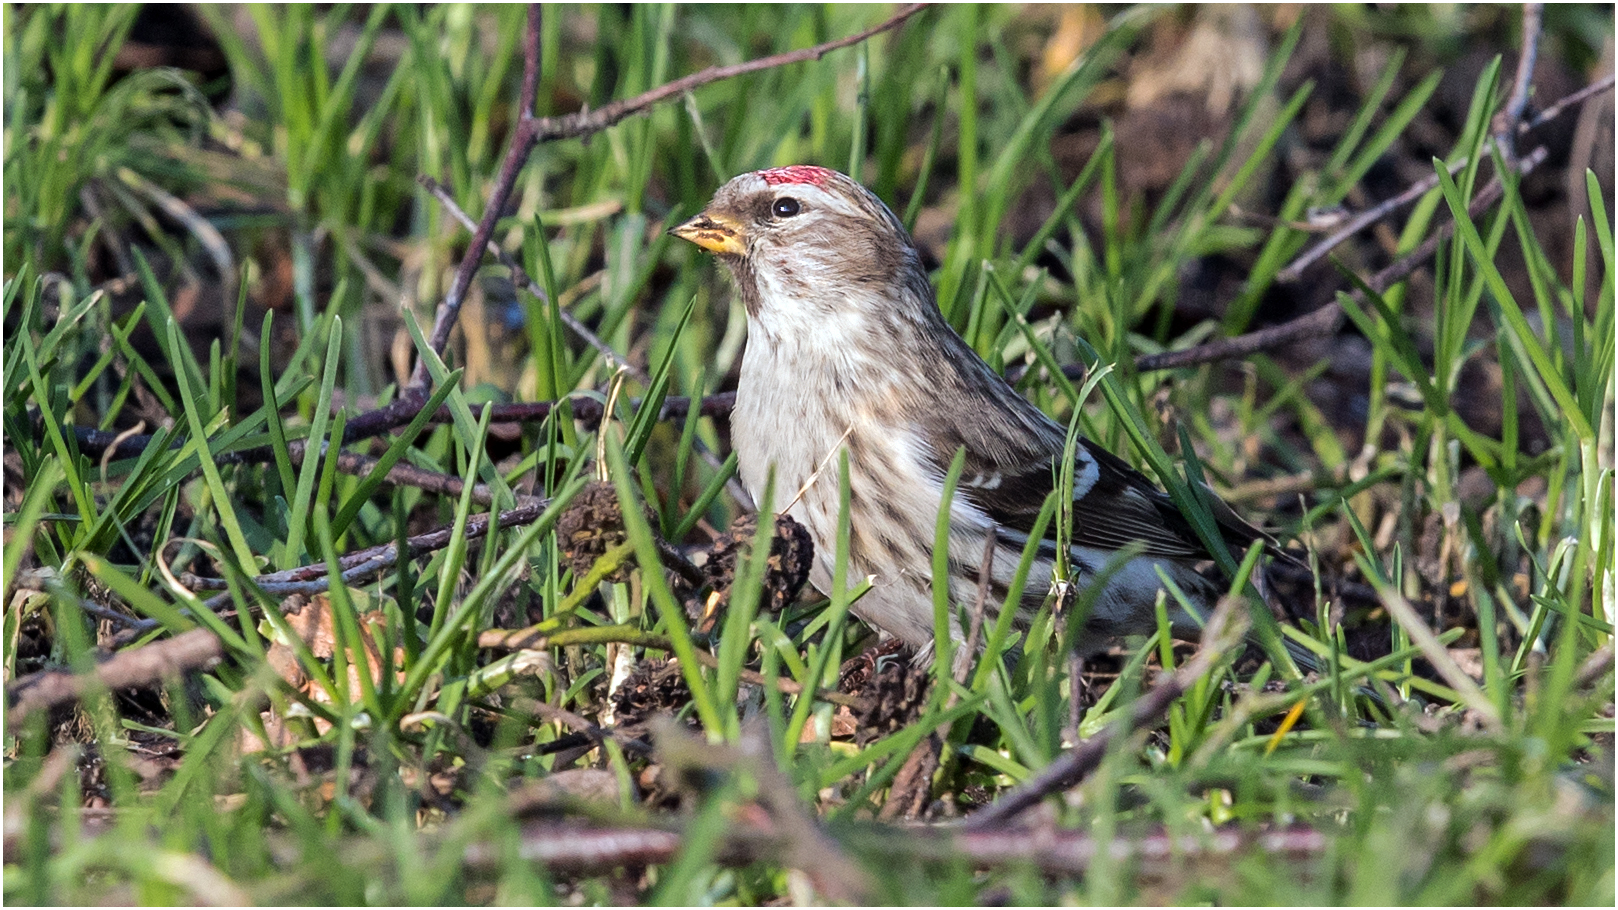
column 714, row 233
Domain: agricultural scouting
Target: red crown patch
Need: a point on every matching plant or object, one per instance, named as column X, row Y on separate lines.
column 796, row 173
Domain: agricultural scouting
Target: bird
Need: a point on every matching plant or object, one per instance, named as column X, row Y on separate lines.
column 847, row 348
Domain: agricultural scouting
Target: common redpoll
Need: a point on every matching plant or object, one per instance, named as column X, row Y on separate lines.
column 847, row 348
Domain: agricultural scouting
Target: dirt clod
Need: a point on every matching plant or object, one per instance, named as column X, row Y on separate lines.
column 785, row 571
column 592, row 525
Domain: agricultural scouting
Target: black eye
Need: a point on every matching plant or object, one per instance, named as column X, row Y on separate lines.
column 785, row 207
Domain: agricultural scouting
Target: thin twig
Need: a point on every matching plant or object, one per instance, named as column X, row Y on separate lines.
column 1295, row 269
column 1329, row 318
column 387, row 555
column 1597, row 665
column 108, row 614
column 1072, row 852
column 194, row 650
column 551, row 713
column 1555, row 109
column 1360, row 222
column 150, row 662
column 796, row 833
column 1511, row 116
column 588, row 122
column 407, row 475
column 586, row 410
column 522, row 279
column 1224, row 629
column 360, row 566
column 449, row 309
column 571, row 848
column 530, row 63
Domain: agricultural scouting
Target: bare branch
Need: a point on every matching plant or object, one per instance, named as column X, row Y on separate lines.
column 1360, row 222
column 521, row 279
column 1372, row 215
column 587, row 122
column 587, row 411
column 570, row 848
column 1224, row 629
column 449, row 309
column 552, row 714
column 1554, row 110
column 1329, row 318
column 193, row 650
column 364, row 565
column 1511, row 117
column 530, row 63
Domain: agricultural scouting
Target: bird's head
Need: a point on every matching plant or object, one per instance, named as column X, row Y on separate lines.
column 807, row 237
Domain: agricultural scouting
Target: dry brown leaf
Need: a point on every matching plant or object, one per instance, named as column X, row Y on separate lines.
column 310, row 618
